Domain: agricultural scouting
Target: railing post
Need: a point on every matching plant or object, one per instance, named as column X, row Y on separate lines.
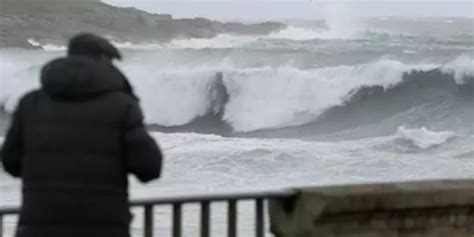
column 1, row 225
column 205, row 223
column 232, row 218
column 206, row 204
column 259, row 217
column 148, row 222
column 177, row 220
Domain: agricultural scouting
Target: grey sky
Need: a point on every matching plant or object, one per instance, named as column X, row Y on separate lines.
column 278, row 9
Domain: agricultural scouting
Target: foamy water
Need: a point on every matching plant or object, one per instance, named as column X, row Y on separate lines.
column 309, row 105
column 176, row 96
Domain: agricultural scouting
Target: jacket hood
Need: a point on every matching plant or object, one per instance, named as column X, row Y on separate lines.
column 75, row 77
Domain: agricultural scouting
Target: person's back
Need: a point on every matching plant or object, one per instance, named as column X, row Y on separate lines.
column 73, row 142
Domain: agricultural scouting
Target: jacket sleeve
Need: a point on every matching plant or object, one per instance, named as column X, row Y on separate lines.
column 12, row 148
column 143, row 157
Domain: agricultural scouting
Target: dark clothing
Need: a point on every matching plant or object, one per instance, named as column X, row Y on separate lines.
column 73, row 143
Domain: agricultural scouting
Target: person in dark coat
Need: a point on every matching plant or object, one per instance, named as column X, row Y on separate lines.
column 73, row 142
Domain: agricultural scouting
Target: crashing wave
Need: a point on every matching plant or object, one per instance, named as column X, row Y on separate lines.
column 252, row 99
column 272, row 98
column 462, row 68
column 264, row 99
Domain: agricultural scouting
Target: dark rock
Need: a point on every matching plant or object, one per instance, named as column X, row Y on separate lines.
column 57, row 20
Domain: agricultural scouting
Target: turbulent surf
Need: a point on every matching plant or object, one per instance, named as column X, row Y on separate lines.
column 314, row 103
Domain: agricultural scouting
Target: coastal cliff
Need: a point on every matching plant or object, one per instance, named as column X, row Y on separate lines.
column 54, row 21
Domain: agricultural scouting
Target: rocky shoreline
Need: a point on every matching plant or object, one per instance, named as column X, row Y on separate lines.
column 54, row 21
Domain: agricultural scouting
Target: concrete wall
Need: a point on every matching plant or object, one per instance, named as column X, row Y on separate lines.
column 442, row 208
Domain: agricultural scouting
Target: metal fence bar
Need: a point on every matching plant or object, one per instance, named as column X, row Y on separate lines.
column 148, row 222
column 204, row 199
column 205, row 220
column 177, row 220
column 1, row 225
column 215, row 197
column 259, row 218
column 232, row 218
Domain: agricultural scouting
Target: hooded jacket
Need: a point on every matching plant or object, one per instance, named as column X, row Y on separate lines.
column 73, row 142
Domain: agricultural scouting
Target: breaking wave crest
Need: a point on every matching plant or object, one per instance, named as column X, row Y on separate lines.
column 243, row 100
column 249, row 100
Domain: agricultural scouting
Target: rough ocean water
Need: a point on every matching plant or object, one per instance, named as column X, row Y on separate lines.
column 383, row 99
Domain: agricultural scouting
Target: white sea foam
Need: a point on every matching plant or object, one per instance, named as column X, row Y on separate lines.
column 128, row 45
column 259, row 98
column 172, row 97
column 342, row 21
column 18, row 74
column 461, row 67
column 295, row 33
column 339, row 18
column 424, row 138
column 409, row 51
column 289, row 33
column 220, row 41
column 47, row 47
column 299, row 96
column 239, row 162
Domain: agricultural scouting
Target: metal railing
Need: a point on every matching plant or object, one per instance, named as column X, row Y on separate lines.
column 204, row 201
